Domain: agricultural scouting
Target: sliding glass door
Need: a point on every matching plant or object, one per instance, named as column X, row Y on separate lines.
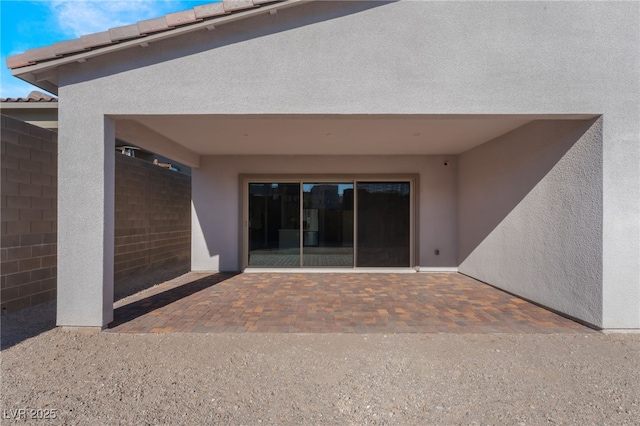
column 327, row 223
column 384, row 223
column 274, row 224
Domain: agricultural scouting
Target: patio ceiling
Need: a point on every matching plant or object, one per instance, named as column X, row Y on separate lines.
column 332, row 134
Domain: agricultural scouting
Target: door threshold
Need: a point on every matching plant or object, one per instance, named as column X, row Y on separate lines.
column 332, row 270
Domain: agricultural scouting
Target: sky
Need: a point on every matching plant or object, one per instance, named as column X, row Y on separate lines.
column 27, row 24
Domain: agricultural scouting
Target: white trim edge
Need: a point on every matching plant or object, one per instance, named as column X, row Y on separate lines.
column 453, row 269
column 331, row 270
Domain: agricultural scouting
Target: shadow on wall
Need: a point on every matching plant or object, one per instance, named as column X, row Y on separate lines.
column 495, row 177
column 244, row 30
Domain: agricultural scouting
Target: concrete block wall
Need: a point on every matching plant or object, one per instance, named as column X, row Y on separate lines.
column 28, row 216
column 153, row 219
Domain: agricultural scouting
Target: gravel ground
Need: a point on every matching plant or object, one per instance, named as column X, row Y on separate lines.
column 408, row 379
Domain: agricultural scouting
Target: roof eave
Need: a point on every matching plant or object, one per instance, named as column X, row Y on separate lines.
column 31, row 73
column 28, row 105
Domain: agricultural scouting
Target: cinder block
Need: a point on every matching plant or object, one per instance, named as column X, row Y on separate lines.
column 41, row 274
column 42, row 250
column 43, row 157
column 29, row 141
column 9, row 241
column 42, row 203
column 48, row 284
column 30, row 190
column 50, row 146
column 14, row 228
column 29, row 264
column 18, row 202
column 10, row 215
column 46, row 135
column 30, row 239
column 40, row 179
column 11, row 293
column 30, row 214
column 42, row 297
column 50, row 238
column 49, row 261
column 50, row 192
column 9, row 136
column 17, row 304
column 17, row 125
column 29, row 289
column 50, row 169
column 18, row 176
column 50, row 214
column 9, row 188
column 11, row 267
column 30, row 166
column 41, row 226
column 17, row 151
column 18, row 253
column 18, row 279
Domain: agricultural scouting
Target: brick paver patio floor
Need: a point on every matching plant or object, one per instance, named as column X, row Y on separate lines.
column 332, row 303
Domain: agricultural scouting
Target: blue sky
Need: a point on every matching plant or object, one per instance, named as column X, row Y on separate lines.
column 29, row 24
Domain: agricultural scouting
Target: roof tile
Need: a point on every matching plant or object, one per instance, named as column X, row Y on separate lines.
column 34, row 96
column 18, row 61
column 233, row 5
column 124, row 33
column 115, row 35
column 96, row 40
column 209, row 10
column 35, row 55
column 69, row 46
column 181, row 18
column 153, row 25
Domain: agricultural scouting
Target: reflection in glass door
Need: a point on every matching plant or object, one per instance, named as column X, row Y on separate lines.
column 327, row 224
column 384, row 224
column 312, row 224
column 274, row 224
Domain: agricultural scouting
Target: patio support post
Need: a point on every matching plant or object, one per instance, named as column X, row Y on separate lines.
column 86, row 182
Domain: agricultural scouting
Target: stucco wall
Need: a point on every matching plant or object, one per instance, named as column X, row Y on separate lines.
column 530, row 215
column 216, row 200
column 407, row 57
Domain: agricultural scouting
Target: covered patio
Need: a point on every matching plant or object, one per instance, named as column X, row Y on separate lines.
column 332, row 303
column 319, row 133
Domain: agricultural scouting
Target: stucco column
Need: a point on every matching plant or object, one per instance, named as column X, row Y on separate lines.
column 85, row 219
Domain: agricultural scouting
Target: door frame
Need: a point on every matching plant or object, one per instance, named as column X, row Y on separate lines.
column 414, row 203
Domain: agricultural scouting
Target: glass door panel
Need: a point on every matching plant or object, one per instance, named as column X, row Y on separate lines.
column 383, row 224
column 327, row 224
column 274, row 224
